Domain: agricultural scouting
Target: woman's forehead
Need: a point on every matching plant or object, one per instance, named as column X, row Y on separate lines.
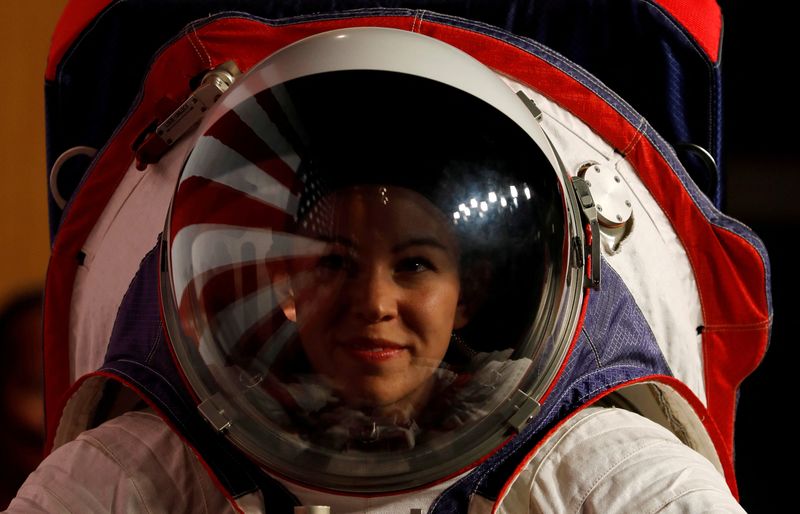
column 387, row 212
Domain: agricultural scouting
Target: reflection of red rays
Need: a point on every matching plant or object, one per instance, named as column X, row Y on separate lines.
column 200, row 200
column 254, row 338
column 277, row 115
column 234, row 133
column 223, row 287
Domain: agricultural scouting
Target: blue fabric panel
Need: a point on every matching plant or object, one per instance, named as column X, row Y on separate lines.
column 615, row 346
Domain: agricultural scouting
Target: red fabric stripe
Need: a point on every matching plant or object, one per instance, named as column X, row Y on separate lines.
column 231, row 131
column 703, row 20
column 200, row 200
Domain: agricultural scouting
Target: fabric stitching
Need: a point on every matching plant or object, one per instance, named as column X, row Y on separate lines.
column 552, row 448
column 200, row 43
column 636, row 138
column 592, row 346
column 676, row 427
column 622, row 459
column 678, row 495
column 546, row 418
column 760, row 325
column 55, row 496
column 156, row 343
column 173, row 416
column 99, row 444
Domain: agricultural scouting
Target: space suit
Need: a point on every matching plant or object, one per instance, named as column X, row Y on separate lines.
column 392, row 279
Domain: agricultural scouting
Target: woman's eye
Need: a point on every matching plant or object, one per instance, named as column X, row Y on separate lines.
column 415, row 265
column 333, row 262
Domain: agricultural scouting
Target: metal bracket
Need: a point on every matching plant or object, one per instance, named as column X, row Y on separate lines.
column 589, row 214
column 531, row 105
column 187, row 115
column 214, row 414
column 526, row 407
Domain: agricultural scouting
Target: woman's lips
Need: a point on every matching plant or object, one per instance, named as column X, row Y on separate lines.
column 372, row 350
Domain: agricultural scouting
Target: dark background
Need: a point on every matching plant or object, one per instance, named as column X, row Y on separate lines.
column 760, row 159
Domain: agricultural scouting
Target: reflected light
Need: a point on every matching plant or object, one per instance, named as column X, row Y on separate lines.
column 483, row 206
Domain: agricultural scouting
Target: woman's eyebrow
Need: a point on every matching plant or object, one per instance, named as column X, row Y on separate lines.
column 420, row 241
column 336, row 240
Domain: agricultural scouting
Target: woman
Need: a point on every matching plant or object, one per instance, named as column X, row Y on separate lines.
column 377, row 313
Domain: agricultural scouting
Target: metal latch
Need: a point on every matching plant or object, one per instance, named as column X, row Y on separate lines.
column 531, row 105
column 155, row 144
column 589, row 214
column 211, row 409
column 526, row 407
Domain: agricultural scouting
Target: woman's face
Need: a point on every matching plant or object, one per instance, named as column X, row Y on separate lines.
column 375, row 311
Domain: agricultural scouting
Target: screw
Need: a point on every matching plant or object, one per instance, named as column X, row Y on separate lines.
column 600, row 208
column 627, row 203
column 619, row 218
column 617, row 179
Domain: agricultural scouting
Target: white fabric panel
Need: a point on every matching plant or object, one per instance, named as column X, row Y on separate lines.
column 391, row 504
column 651, row 260
column 211, row 156
column 132, row 464
column 125, row 232
column 614, row 461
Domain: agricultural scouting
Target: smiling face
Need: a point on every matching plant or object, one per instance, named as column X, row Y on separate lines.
column 375, row 311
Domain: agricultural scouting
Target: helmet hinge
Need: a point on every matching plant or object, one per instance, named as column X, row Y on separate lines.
column 526, row 407
column 155, row 144
column 212, row 408
column 531, row 105
column 592, row 237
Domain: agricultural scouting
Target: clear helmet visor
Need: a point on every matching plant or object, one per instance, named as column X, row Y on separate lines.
column 365, row 268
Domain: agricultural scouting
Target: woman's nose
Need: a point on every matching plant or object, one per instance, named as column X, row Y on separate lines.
column 374, row 295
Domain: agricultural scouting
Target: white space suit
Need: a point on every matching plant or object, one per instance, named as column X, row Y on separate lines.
column 272, row 247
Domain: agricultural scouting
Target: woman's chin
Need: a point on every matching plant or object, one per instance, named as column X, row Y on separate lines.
column 383, row 398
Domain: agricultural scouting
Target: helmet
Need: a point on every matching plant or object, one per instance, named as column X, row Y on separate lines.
column 368, row 278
